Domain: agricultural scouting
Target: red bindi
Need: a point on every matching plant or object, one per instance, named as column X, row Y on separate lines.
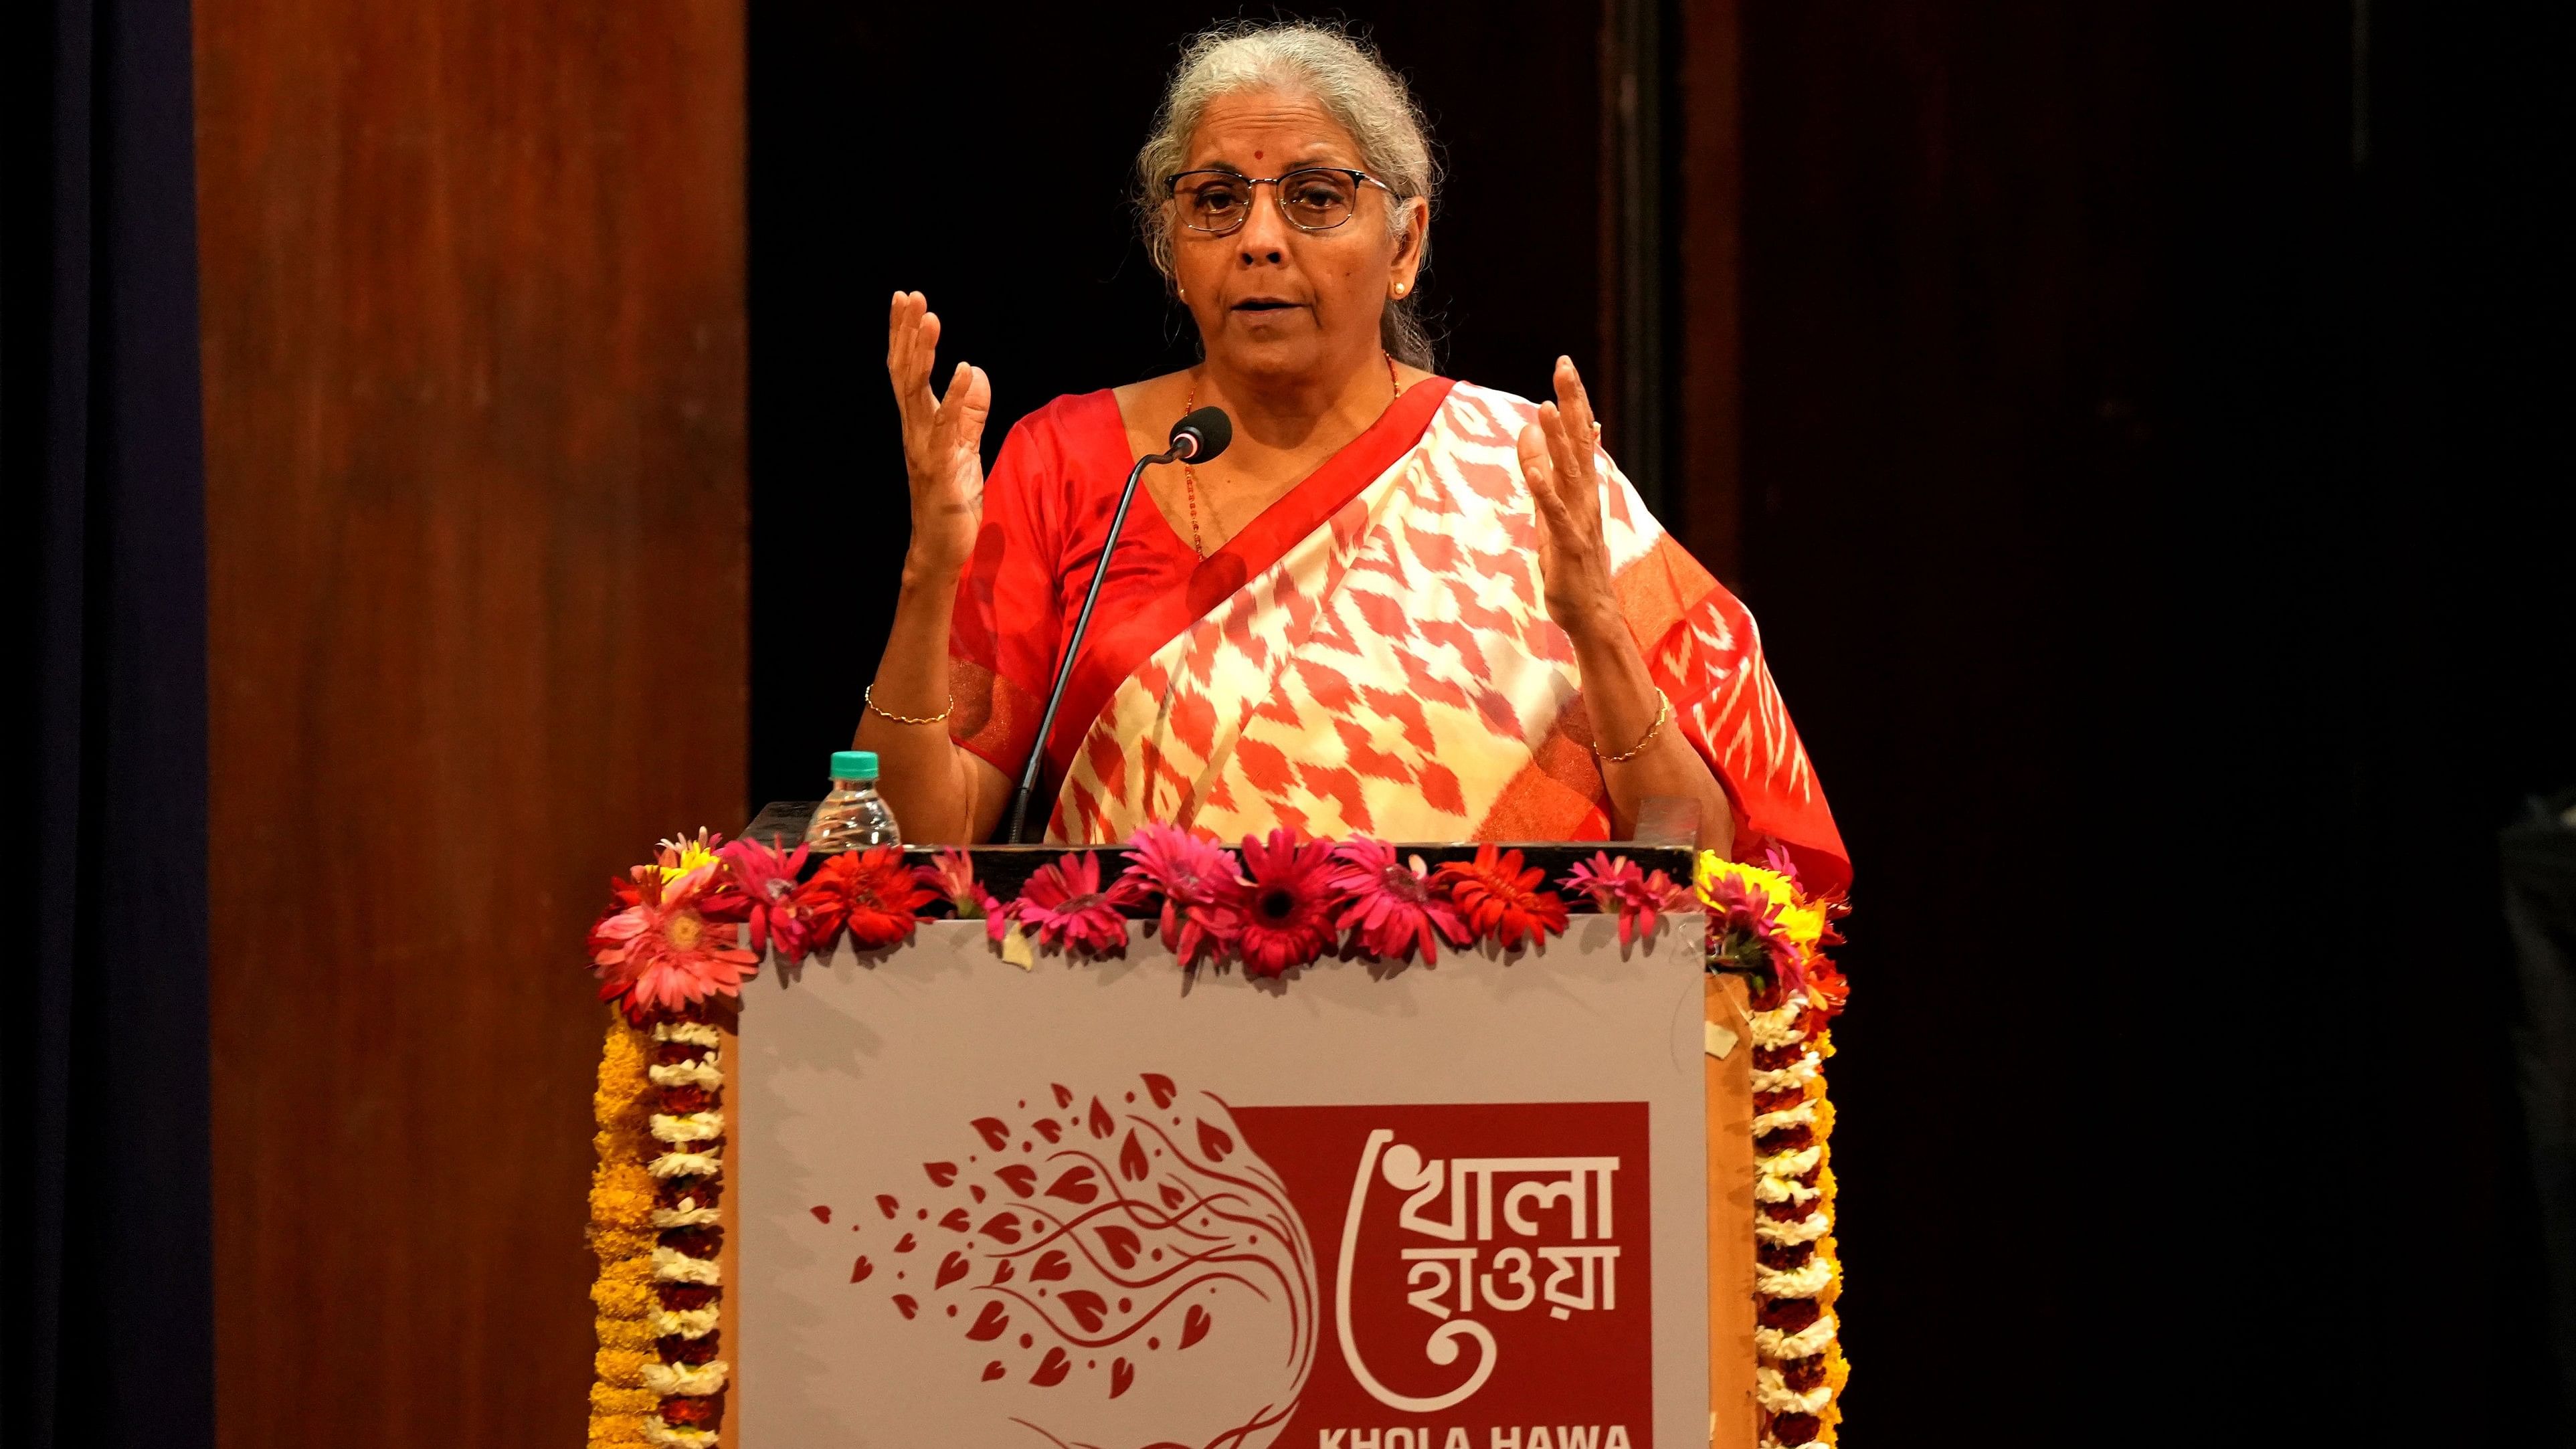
column 1256, row 155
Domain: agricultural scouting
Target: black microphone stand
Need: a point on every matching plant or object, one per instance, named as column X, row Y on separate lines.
column 1184, row 445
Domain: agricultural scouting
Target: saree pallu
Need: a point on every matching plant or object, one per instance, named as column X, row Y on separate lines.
column 1373, row 655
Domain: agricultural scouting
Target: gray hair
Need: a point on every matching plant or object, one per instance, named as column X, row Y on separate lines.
column 1344, row 75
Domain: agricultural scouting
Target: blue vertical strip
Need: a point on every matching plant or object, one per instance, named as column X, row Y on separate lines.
column 112, row 1321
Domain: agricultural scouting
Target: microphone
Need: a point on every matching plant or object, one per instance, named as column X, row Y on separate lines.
column 1202, row 435
column 1195, row 439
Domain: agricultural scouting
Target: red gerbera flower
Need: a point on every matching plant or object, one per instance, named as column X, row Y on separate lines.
column 766, row 876
column 1619, row 887
column 871, row 893
column 1287, row 904
column 677, row 945
column 1064, row 904
column 1501, row 901
column 1198, row 884
column 1392, row 907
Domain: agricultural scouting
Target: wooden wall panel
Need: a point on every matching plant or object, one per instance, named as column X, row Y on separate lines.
column 474, row 353
column 1707, row 286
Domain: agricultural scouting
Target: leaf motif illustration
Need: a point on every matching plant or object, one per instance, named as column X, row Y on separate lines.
column 952, row 1268
column 1086, row 1307
column 1122, row 1243
column 1075, row 1186
column 1214, row 1142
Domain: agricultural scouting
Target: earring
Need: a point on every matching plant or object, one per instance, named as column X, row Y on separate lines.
column 1399, row 289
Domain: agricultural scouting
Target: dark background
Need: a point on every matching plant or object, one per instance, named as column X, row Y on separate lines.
column 2154, row 492
column 2158, row 512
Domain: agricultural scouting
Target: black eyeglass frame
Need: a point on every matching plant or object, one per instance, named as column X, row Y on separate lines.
column 1278, row 195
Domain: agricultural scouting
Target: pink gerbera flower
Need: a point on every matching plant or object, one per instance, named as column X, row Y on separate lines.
column 952, row 874
column 1744, row 932
column 1287, row 905
column 1065, row 906
column 1391, row 907
column 677, row 945
column 1196, row 881
column 766, row 877
column 1619, row 887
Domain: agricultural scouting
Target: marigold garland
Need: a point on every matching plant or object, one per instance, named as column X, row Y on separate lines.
column 655, row 1228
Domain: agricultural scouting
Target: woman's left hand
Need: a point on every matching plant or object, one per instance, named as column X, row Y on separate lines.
column 1573, row 554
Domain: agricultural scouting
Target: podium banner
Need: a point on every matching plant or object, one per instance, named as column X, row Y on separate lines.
column 1115, row 1204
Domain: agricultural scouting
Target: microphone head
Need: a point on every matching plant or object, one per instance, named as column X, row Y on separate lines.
column 1202, row 435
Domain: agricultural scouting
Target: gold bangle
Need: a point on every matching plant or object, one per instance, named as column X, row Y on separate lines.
column 870, row 695
column 1663, row 712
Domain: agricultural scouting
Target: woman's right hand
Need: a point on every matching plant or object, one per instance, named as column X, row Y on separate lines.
column 943, row 438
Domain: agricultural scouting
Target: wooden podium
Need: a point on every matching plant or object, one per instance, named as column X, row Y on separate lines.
column 982, row 1194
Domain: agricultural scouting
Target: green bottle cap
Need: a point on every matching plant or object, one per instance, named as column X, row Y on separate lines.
column 854, row 764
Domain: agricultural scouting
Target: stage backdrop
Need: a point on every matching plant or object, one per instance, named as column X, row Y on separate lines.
column 474, row 498
column 1118, row 1203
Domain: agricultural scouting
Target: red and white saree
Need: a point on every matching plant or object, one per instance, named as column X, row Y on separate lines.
column 1372, row 655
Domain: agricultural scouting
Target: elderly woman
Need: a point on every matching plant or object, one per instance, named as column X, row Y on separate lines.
column 1397, row 605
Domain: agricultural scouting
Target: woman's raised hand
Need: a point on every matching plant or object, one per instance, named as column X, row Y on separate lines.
column 943, row 437
column 1573, row 552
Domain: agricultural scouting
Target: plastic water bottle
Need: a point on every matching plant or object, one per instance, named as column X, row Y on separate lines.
column 853, row 816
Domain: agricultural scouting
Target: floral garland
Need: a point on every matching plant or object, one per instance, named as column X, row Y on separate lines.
column 697, row 921
column 1762, row 924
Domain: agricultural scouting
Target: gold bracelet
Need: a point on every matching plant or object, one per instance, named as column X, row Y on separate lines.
column 870, row 694
column 1663, row 712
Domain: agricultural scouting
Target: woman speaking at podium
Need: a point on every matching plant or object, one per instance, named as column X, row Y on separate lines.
column 1394, row 605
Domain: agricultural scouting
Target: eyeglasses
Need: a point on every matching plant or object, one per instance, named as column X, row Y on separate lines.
column 1318, row 198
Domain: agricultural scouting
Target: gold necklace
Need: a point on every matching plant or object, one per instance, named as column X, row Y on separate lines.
column 1190, row 475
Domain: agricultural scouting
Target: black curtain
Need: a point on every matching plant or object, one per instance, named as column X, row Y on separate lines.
column 109, row 1307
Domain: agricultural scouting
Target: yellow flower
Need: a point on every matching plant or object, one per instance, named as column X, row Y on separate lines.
column 1713, row 867
column 1804, row 925
column 680, row 856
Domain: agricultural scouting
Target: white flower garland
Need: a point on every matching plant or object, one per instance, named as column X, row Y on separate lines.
column 690, row 1380
column 1811, row 1352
